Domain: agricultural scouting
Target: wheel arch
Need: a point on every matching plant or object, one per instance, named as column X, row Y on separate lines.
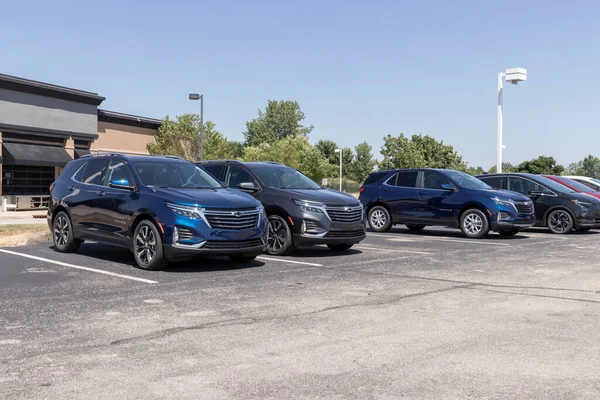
column 477, row 206
column 560, row 207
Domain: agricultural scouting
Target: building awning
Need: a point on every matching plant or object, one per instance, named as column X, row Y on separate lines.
column 34, row 154
column 81, row 152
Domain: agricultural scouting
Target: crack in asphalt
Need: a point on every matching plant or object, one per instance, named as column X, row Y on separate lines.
column 535, row 295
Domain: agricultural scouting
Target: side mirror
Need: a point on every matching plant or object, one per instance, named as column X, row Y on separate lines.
column 121, row 184
column 447, row 186
column 248, row 186
column 535, row 193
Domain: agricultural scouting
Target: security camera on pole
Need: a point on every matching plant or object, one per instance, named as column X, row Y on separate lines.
column 514, row 76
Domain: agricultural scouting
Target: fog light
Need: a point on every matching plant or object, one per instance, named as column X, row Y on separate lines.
column 175, row 235
column 503, row 216
column 312, row 228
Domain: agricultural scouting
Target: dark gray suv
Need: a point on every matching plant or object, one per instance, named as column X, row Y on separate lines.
column 301, row 213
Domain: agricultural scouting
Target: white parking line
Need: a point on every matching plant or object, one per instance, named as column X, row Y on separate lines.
column 474, row 241
column 62, row 264
column 289, row 261
column 392, row 250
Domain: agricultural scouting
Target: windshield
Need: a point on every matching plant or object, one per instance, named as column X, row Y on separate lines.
column 580, row 187
column 282, row 177
column 466, row 181
column 174, row 174
column 549, row 183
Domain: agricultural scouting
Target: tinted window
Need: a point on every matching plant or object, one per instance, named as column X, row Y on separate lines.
column 405, row 179
column 466, row 181
column 95, row 171
column 589, row 184
column 215, row 170
column 174, row 174
column 575, row 184
column 524, row 186
column 549, row 183
column 70, row 170
column 119, row 171
column 375, row 176
column 497, row 182
column 238, row 175
column 433, row 180
column 282, row 177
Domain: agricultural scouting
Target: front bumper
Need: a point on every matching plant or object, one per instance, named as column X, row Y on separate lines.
column 253, row 247
column 314, row 228
column 512, row 225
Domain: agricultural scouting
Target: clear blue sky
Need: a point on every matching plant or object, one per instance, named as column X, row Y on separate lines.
column 360, row 70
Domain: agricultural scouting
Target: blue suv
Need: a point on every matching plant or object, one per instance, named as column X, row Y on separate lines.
column 422, row 197
column 161, row 208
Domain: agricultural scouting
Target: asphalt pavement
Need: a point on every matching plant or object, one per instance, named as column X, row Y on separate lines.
column 430, row 315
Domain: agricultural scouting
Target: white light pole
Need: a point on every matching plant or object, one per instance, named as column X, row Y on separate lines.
column 340, row 151
column 514, row 76
column 196, row 96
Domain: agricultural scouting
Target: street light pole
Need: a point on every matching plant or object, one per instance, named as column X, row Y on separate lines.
column 340, row 151
column 499, row 144
column 196, row 96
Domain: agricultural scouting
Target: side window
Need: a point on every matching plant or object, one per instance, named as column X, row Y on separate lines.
column 588, row 184
column 405, row 179
column 94, row 172
column 79, row 175
column 433, row 180
column 238, row 175
column 524, row 186
column 215, row 170
column 119, row 171
column 497, row 182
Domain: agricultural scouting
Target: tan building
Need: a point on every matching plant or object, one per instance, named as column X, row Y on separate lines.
column 44, row 126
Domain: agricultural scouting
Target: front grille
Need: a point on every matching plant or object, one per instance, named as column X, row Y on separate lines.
column 232, row 219
column 524, row 208
column 232, row 244
column 185, row 234
column 345, row 214
column 345, row 234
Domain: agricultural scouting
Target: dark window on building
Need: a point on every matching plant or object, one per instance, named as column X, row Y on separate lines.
column 23, row 179
column 82, row 144
column 405, row 179
column 9, row 137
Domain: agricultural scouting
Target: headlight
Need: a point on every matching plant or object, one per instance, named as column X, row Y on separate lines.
column 310, row 206
column 186, row 211
column 582, row 204
column 504, row 202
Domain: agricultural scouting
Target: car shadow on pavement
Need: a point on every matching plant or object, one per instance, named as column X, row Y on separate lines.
column 123, row 257
column 455, row 234
column 323, row 251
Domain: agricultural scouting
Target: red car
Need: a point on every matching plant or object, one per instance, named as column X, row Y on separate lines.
column 576, row 186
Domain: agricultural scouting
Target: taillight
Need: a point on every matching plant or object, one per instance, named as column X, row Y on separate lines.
column 362, row 189
column 52, row 186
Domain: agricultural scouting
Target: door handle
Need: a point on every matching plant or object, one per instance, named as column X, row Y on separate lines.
column 100, row 192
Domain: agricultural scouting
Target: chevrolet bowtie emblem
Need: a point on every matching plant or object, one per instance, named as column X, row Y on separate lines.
column 236, row 214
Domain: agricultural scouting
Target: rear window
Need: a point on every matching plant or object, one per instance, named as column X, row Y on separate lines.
column 375, row 176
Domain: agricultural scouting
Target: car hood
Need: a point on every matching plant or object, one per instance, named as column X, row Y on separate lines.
column 325, row 196
column 506, row 194
column 209, row 198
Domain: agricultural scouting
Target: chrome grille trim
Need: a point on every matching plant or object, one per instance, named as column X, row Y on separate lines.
column 185, row 234
column 524, row 207
column 346, row 214
column 232, row 219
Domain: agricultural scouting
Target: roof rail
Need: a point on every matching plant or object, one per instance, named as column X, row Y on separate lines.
column 175, row 157
column 215, row 161
column 102, row 154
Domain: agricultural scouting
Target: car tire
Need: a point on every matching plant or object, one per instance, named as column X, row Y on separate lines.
column 415, row 228
column 508, row 233
column 560, row 221
column 474, row 224
column 279, row 237
column 242, row 258
column 340, row 247
column 147, row 247
column 63, row 235
column 379, row 219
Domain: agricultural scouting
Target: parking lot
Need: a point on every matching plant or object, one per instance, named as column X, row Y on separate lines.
column 429, row 315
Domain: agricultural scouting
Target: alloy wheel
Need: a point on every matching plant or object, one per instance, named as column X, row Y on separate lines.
column 145, row 245
column 276, row 235
column 560, row 221
column 61, row 231
column 473, row 224
column 378, row 219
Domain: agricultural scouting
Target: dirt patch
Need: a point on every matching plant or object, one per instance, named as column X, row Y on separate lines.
column 23, row 235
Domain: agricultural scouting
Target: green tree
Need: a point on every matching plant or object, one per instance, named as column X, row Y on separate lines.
column 589, row 166
column 279, row 120
column 294, row 151
column 541, row 165
column 506, row 167
column 363, row 162
column 418, row 152
column 181, row 137
column 327, row 149
column 237, row 149
column 474, row 170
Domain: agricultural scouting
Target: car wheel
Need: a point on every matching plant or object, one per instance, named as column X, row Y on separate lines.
column 415, row 228
column 340, row 247
column 147, row 247
column 474, row 224
column 62, row 234
column 241, row 258
column 511, row 232
column 279, row 237
column 379, row 219
column 560, row 222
